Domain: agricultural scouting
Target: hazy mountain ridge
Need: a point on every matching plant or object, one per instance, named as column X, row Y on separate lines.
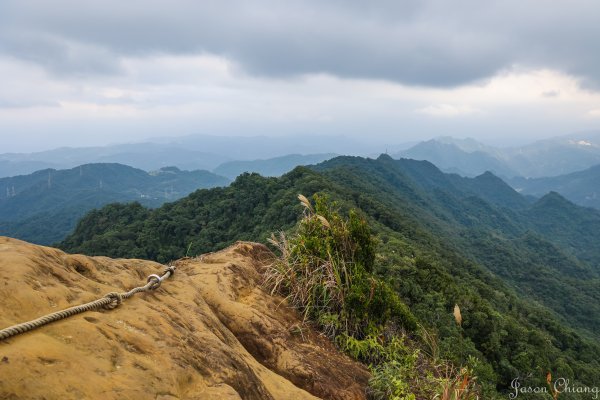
column 581, row 187
column 544, row 158
column 146, row 156
column 452, row 158
column 487, row 185
column 191, row 152
column 44, row 206
column 29, row 210
column 270, row 167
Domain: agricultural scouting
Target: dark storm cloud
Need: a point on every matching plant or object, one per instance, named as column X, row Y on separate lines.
column 429, row 43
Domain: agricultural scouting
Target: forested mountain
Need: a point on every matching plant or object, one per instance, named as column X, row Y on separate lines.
column 271, row 166
column 527, row 276
column 43, row 207
column 582, row 187
column 469, row 158
column 450, row 157
column 549, row 157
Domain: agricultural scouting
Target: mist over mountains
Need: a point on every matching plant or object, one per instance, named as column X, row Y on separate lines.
column 569, row 165
column 270, row 167
column 581, row 187
column 193, row 152
column 467, row 157
column 544, row 158
column 44, row 206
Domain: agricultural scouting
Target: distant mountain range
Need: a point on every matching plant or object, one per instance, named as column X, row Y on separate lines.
column 270, row 167
column 191, row 152
column 44, row 207
column 467, row 157
column 450, row 156
column 146, row 156
column 567, row 165
column 544, row 158
column 564, row 164
column 582, row 187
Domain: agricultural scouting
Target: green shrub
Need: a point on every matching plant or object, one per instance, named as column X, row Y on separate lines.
column 388, row 381
column 325, row 270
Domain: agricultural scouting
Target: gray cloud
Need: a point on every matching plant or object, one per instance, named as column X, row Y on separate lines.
column 427, row 43
column 61, row 56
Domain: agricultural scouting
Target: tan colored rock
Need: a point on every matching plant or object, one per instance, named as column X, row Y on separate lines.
column 209, row 332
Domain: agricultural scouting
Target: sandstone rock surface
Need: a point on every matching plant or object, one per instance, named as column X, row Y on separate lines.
column 209, row 332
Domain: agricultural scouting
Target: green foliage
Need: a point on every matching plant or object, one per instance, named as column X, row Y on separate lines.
column 45, row 206
column 324, row 270
column 377, row 348
column 389, row 382
column 249, row 209
column 400, row 370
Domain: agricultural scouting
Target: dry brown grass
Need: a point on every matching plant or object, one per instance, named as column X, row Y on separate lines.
column 314, row 287
column 457, row 384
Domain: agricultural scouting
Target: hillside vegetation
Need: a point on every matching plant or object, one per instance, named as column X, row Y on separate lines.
column 44, row 207
column 525, row 276
column 581, row 187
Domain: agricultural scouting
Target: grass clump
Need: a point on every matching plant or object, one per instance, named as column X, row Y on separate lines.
column 326, row 270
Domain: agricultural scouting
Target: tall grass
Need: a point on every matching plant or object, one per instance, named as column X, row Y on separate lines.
column 325, row 270
column 457, row 384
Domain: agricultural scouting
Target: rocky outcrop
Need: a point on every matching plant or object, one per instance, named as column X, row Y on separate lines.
column 209, row 332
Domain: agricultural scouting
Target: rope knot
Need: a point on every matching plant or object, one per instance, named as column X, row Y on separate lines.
column 170, row 269
column 156, row 281
column 116, row 300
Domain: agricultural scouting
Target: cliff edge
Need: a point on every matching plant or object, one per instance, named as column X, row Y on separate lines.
column 209, row 332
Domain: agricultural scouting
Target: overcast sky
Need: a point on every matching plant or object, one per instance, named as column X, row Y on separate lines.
column 509, row 71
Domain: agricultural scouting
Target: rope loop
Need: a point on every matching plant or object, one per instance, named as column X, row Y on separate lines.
column 156, row 281
column 170, row 269
column 116, row 300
